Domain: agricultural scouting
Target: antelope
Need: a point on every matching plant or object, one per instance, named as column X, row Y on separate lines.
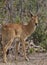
column 11, row 31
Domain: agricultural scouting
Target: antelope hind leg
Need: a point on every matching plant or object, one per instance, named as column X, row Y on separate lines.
column 4, row 55
column 17, row 45
column 5, row 48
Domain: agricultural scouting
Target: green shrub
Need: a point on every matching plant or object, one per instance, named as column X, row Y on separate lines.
column 17, row 19
column 44, row 44
column 31, row 50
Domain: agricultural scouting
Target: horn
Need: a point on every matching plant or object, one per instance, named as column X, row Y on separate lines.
column 31, row 13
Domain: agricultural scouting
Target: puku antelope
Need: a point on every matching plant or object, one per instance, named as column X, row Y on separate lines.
column 14, row 30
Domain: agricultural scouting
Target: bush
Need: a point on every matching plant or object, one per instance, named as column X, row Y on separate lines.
column 44, row 44
column 31, row 50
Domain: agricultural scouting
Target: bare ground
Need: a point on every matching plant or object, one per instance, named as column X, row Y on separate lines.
column 35, row 59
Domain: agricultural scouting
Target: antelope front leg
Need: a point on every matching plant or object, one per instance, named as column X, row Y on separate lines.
column 24, row 50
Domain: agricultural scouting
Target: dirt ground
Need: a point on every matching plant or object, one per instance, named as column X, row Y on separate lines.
column 35, row 59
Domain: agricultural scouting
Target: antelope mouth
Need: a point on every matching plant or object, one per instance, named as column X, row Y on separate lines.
column 36, row 24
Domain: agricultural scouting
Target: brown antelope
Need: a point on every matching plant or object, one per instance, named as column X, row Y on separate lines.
column 11, row 31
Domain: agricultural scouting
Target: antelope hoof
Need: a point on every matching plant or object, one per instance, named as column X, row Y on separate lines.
column 5, row 60
column 27, row 59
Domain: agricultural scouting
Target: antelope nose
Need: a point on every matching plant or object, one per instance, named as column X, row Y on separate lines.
column 36, row 24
